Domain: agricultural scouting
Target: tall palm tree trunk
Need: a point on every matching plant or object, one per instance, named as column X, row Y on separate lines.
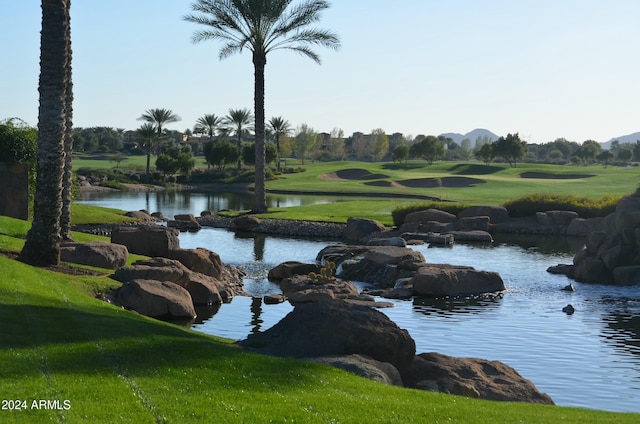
column 260, row 203
column 67, row 182
column 42, row 246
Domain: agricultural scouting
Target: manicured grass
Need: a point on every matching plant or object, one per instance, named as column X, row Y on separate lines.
column 501, row 182
column 81, row 160
column 379, row 210
column 111, row 365
column 87, row 214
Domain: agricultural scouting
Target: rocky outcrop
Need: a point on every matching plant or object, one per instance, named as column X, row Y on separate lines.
column 335, row 328
column 158, row 299
column 364, row 366
column 611, row 254
column 428, row 215
column 204, row 290
column 359, row 228
column 303, row 288
column 471, row 377
column 290, row 268
column 496, row 214
column 449, row 280
column 141, row 215
column 366, row 342
column 206, row 262
column 148, row 240
column 380, row 265
column 184, row 222
column 401, row 272
column 98, row 254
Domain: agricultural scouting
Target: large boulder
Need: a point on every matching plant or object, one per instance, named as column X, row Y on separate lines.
column 581, row 227
column 148, row 240
column 98, row 254
column 184, row 222
column 304, row 288
column 473, row 236
column 290, row 268
column 158, row 299
column 204, row 290
column 380, row 265
column 335, row 328
column 471, row 377
column 450, row 280
column 364, row 366
column 208, row 263
column 496, row 214
column 428, row 215
column 473, row 223
column 359, row 228
column 245, row 223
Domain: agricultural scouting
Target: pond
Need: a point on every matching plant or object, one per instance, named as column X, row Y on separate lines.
column 590, row 359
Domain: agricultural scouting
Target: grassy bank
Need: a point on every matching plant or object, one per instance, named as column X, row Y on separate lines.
column 104, row 364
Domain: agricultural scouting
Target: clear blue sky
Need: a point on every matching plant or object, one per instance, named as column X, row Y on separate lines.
column 543, row 68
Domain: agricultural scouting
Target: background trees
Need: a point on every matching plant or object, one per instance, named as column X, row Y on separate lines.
column 174, row 159
column 220, row 153
column 157, row 118
column 97, row 139
column 510, row 148
column 428, row 148
column 239, row 120
column 305, row 139
column 279, row 127
column 485, row 153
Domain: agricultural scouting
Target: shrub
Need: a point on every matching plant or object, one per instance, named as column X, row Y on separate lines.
column 543, row 202
column 400, row 213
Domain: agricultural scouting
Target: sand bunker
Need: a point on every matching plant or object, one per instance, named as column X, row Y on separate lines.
column 548, row 176
column 451, row 182
column 358, row 174
column 352, row 174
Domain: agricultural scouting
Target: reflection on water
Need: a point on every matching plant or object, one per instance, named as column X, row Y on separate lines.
column 450, row 305
column 589, row 359
column 171, row 202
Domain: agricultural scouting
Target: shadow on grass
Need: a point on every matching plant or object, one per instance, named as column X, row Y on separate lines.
column 82, row 342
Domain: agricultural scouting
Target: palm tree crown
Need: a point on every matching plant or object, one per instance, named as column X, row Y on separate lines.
column 239, row 119
column 209, row 122
column 261, row 26
column 159, row 117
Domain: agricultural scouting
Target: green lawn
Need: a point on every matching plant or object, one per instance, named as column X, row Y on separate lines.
column 60, row 344
column 492, row 184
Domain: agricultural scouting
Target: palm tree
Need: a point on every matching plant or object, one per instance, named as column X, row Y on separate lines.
column 209, row 122
column 148, row 133
column 280, row 127
column 158, row 118
column 238, row 119
column 42, row 246
column 67, row 179
column 261, row 26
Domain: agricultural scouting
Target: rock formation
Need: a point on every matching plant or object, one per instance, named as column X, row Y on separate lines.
column 611, row 254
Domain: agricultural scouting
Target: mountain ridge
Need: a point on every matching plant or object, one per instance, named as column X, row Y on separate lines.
column 481, row 132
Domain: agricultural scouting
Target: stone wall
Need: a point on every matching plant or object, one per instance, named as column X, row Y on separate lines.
column 14, row 190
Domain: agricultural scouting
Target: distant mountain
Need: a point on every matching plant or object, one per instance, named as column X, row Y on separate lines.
column 630, row 138
column 472, row 135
